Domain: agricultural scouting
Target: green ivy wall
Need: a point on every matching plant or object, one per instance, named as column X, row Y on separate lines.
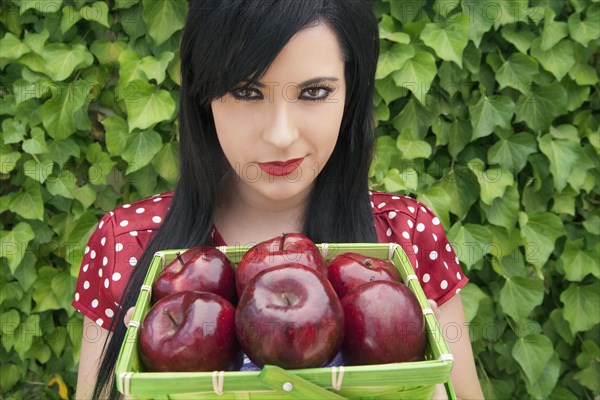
column 487, row 111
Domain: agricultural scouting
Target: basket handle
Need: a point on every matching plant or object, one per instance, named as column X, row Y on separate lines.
column 292, row 385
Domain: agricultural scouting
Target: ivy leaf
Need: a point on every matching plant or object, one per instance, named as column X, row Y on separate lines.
column 61, row 150
column 63, row 287
column 584, row 74
column 59, row 114
column 26, row 332
column 436, row 198
column 156, row 68
column 459, row 136
column 70, row 16
column 12, row 48
column 448, row 40
column 416, row 74
column 517, row 72
column 584, row 31
column 520, row 295
column 582, row 310
column 492, row 182
column 385, row 149
column 141, row 148
column 149, row 106
column 533, row 353
column 562, row 326
column 8, row 159
column 28, row 203
column 410, row 148
column 392, row 59
column 503, row 211
column 553, row 31
column 489, row 112
column 11, row 374
column 116, row 134
column 503, row 13
column 512, row 153
column 539, row 108
column 14, row 242
column 101, row 164
column 539, row 231
column 558, row 60
column 399, row 181
column 64, row 185
column 520, row 38
column 577, row 262
column 388, row 30
column 166, row 162
column 13, row 131
column 45, row 299
column 472, row 295
column 545, row 384
column 60, row 60
column 563, row 154
column 470, row 242
column 388, row 90
column 96, row 12
column 463, row 189
column 37, row 143
column 415, row 117
column 163, row 18
column 108, row 52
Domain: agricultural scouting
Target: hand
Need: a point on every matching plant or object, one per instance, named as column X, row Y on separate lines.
column 440, row 390
column 434, row 307
column 128, row 315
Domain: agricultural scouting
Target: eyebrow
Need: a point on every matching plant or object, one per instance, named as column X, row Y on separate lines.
column 305, row 83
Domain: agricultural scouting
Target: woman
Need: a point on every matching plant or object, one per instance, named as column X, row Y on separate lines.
column 276, row 136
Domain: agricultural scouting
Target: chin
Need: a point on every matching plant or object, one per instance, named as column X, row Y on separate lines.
column 281, row 189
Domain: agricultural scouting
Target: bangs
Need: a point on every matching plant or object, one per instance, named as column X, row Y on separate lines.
column 233, row 41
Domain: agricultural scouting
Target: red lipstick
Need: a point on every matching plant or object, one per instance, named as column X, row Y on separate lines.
column 281, row 168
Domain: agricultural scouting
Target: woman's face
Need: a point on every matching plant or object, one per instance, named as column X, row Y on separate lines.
column 277, row 135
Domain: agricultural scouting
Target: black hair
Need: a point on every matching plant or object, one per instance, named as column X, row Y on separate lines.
column 225, row 42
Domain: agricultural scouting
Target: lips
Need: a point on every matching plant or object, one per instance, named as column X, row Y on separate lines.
column 281, row 168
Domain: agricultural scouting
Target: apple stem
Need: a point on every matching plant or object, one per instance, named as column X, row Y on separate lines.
column 178, row 255
column 168, row 313
column 287, row 300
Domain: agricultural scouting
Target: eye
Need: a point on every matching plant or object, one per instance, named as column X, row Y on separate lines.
column 315, row 93
column 246, row 94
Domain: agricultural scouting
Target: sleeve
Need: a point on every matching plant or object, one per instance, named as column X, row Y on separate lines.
column 439, row 269
column 92, row 296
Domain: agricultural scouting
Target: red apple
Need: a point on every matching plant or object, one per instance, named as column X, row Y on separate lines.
column 190, row 331
column 285, row 249
column 383, row 324
column 289, row 316
column 349, row 270
column 201, row 268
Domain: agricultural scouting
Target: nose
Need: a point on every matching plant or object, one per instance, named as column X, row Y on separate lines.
column 280, row 128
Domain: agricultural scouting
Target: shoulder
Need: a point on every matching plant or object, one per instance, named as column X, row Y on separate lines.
column 385, row 203
column 142, row 215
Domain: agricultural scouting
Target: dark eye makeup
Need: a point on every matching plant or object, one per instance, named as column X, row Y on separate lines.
column 315, row 92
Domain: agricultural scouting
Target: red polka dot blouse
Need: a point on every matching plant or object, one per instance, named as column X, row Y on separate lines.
column 115, row 246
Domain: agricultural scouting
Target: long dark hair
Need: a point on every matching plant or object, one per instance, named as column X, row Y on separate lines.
column 225, row 42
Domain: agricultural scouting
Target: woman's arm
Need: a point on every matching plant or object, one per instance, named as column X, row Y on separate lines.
column 456, row 332
column 92, row 341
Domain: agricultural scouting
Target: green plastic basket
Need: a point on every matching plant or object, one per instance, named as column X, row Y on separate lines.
column 408, row 380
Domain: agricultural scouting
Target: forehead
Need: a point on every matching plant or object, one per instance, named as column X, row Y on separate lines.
column 313, row 51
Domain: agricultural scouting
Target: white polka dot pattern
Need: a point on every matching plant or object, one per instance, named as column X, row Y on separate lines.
column 114, row 248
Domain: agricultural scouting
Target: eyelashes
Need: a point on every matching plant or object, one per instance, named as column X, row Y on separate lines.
column 315, row 92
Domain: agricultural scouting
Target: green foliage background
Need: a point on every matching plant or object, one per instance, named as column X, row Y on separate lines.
column 487, row 111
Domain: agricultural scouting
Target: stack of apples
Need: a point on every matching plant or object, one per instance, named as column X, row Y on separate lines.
column 283, row 305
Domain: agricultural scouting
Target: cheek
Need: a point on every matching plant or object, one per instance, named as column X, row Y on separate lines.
column 233, row 126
